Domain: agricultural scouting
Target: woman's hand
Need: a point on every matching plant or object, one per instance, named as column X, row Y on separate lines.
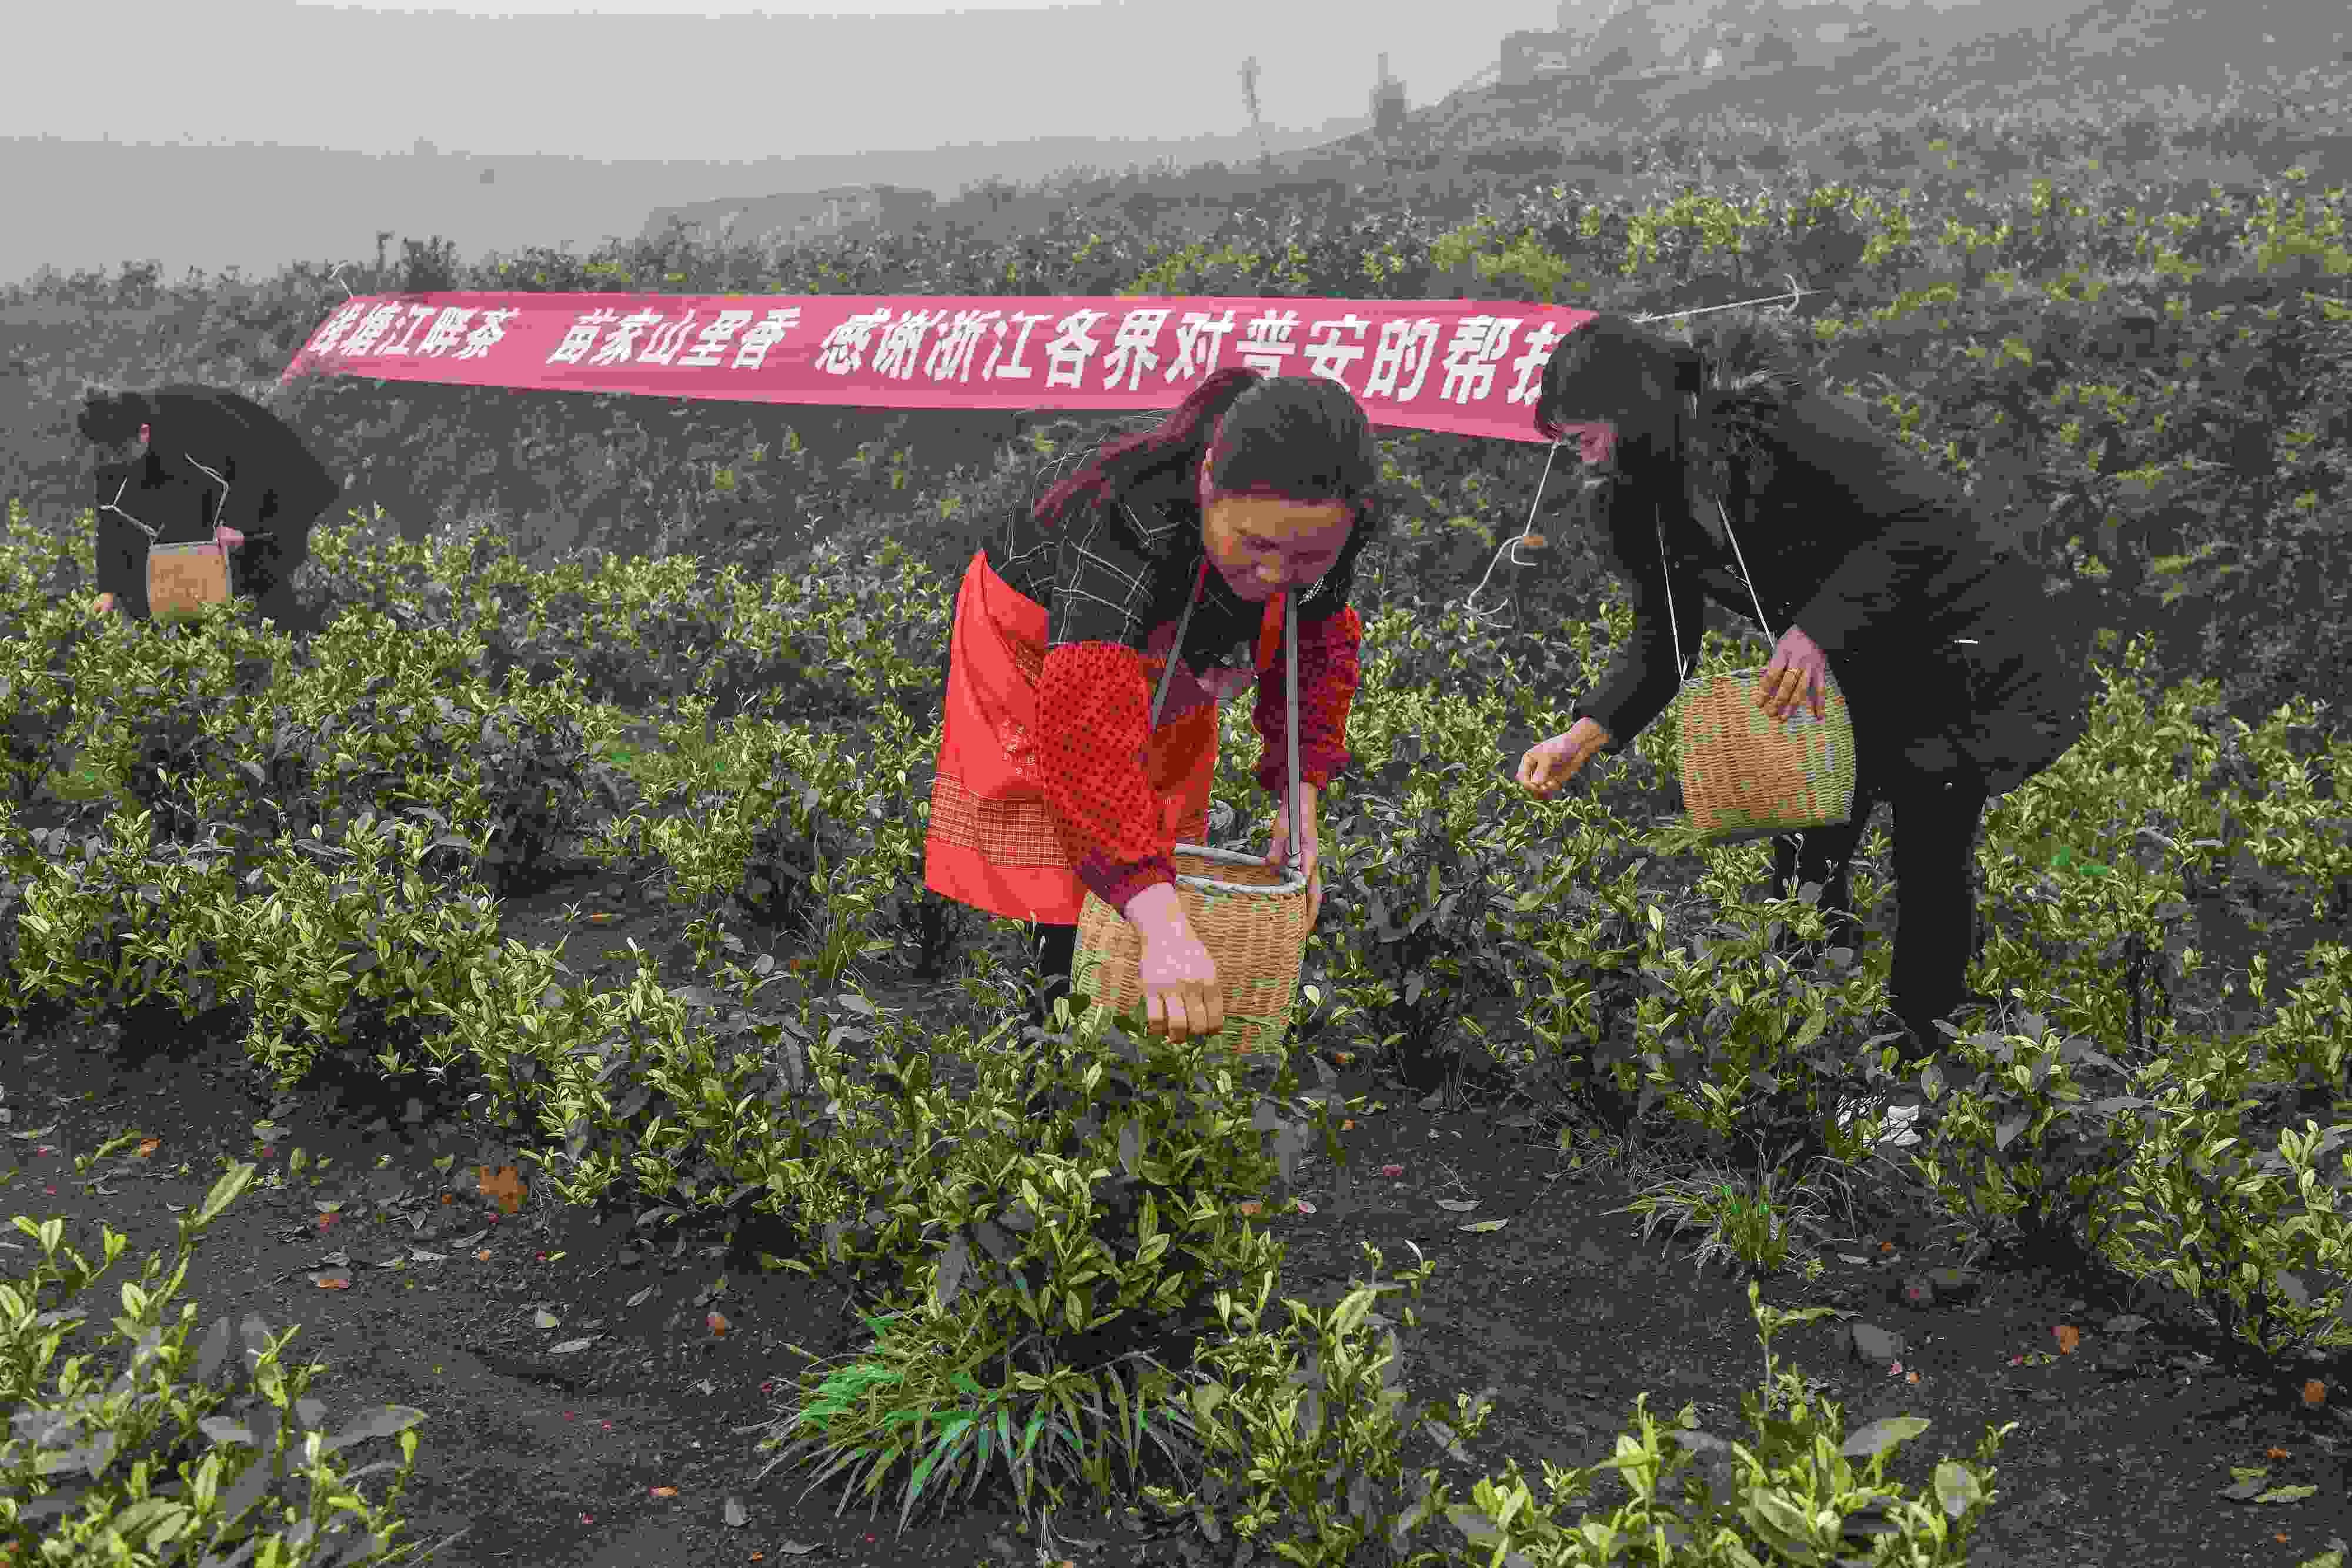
column 1798, row 674
column 1310, row 845
column 1551, row 764
column 1182, row 996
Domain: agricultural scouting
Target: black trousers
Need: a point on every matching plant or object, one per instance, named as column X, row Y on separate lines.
column 1934, row 834
column 1055, row 949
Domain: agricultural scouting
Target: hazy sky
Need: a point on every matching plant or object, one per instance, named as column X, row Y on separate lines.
column 715, row 79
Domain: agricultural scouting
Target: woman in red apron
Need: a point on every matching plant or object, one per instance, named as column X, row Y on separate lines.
column 1051, row 780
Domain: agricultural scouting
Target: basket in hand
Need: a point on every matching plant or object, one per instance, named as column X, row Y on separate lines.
column 1251, row 916
column 1746, row 775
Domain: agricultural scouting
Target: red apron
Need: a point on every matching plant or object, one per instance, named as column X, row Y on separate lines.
column 995, row 842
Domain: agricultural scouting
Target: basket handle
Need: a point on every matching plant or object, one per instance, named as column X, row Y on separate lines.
column 1290, row 673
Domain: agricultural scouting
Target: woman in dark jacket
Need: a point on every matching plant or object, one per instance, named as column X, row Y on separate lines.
column 1869, row 563
column 171, row 466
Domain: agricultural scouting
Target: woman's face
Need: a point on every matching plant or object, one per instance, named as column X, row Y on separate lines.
column 1265, row 545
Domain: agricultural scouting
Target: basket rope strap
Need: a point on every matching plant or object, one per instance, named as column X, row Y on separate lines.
column 156, row 535
column 1737, row 554
column 1290, row 650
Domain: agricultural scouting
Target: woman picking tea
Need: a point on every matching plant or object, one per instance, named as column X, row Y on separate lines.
column 1052, row 781
column 184, row 463
column 1877, row 566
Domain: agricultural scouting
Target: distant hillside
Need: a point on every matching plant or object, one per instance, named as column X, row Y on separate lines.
column 169, row 207
column 1637, row 71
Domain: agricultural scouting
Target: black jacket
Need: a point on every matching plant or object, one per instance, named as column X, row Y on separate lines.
column 276, row 490
column 1852, row 539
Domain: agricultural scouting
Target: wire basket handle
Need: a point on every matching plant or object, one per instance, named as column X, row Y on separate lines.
column 1290, row 653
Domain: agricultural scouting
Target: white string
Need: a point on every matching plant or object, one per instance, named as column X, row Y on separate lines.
column 156, row 535
column 1796, row 292
column 221, row 510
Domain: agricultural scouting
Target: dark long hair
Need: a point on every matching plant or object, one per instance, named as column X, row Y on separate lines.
column 1302, row 438
column 1616, row 369
column 111, row 416
column 1741, row 370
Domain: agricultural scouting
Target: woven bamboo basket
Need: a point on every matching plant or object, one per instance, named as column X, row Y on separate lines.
column 1745, row 774
column 1251, row 916
column 182, row 578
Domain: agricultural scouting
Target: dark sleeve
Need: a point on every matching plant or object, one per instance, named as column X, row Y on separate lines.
column 120, row 559
column 1644, row 681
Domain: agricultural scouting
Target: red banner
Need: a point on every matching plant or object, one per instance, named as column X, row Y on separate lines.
column 1473, row 367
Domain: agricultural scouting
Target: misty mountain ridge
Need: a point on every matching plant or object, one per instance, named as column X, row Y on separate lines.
column 78, row 205
column 1789, row 70
column 1785, row 70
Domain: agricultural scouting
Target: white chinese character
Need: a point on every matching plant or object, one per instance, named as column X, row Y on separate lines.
column 951, row 358
column 666, row 342
column 1478, row 342
column 621, row 344
column 903, row 343
column 363, row 336
column 341, row 321
column 1013, row 371
column 581, row 336
column 1131, row 347
column 1190, row 331
column 1330, row 357
column 448, row 331
column 490, row 334
column 1399, row 342
column 766, row 334
column 844, row 349
column 1265, row 344
column 417, row 315
column 1530, row 364
column 713, row 340
column 1068, row 352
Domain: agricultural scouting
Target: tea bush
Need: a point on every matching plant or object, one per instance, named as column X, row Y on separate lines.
column 1031, row 1265
column 185, row 1449
column 182, row 801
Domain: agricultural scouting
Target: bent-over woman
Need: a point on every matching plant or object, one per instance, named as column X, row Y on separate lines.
column 1958, row 679
column 1052, row 781
column 176, row 463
